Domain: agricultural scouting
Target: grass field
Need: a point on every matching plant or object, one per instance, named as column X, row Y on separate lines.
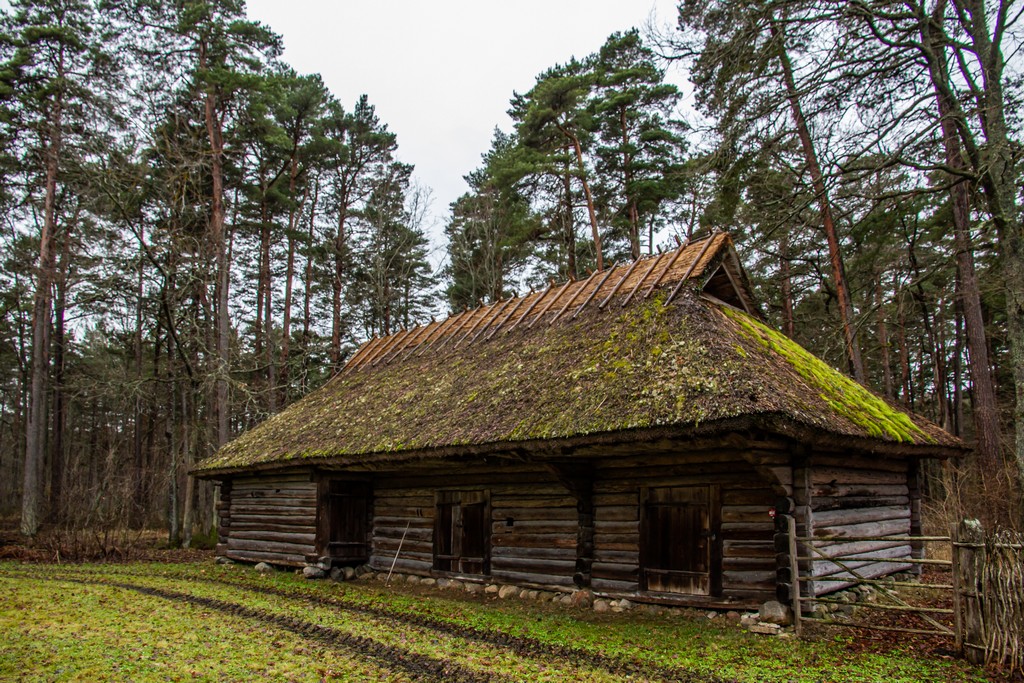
column 183, row 622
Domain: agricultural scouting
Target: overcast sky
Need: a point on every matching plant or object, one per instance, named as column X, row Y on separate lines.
column 441, row 73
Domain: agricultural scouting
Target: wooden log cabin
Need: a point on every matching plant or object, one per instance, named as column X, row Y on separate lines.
column 633, row 433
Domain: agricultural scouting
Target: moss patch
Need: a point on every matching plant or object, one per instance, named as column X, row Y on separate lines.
column 842, row 394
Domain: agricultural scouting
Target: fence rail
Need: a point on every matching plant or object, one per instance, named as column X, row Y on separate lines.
column 986, row 591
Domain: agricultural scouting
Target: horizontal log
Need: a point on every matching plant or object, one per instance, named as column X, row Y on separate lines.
column 846, row 460
column 765, row 526
column 847, row 475
column 412, row 500
column 539, row 514
column 868, row 571
column 404, row 512
column 526, row 579
column 602, row 499
column 746, row 513
column 616, row 556
column 764, row 496
column 748, row 563
column 391, row 545
column 526, row 553
column 613, row 586
column 612, row 527
column 262, row 509
column 616, row 513
column 534, row 566
column 618, row 543
column 748, row 479
column 852, row 502
column 826, row 518
column 288, row 559
column 761, row 579
column 867, row 529
column 859, row 490
column 759, row 549
column 384, row 522
column 411, row 533
column 494, row 480
column 536, row 541
column 270, row 546
column 524, row 501
column 403, row 565
column 615, row 571
column 284, row 537
column 838, row 549
column 825, row 568
column 529, row 526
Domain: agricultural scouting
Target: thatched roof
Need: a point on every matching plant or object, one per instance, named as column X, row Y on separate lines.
column 671, row 342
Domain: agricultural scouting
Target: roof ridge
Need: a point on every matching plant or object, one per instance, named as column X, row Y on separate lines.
column 467, row 326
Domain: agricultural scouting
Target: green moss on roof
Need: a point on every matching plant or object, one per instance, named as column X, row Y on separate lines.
column 641, row 366
column 845, row 396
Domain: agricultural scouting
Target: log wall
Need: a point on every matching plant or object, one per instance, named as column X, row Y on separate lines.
column 269, row 518
column 533, row 523
column 855, row 497
column 745, row 536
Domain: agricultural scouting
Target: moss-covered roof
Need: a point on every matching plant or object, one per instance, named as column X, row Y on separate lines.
column 651, row 363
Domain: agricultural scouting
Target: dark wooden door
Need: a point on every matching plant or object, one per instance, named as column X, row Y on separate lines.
column 678, row 540
column 345, row 522
column 462, row 532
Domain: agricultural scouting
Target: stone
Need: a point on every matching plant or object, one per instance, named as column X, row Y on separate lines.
column 337, row 574
column 712, row 615
column 492, row 588
column 765, row 629
column 582, row 598
column 349, row 573
column 532, row 595
column 224, row 560
column 427, row 582
column 618, row 609
column 732, row 615
column 601, row 606
column 444, row 583
column 625, row 604
column 311, row 572
column 456, row 584
column 566, row 600
column 747, row 619
column 507, row 592
column 264, row 568
column 412, row 578
column 774, row 612
column 474, row 588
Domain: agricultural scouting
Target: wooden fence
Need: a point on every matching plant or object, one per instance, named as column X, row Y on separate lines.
column 986, row 588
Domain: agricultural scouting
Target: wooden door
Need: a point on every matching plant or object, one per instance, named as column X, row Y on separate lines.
column 678, row 540
column 462, row 532
column 345, row 523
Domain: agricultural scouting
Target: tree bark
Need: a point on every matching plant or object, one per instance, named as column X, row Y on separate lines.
column 853, row 356
column 35, row 430
column 582, row 169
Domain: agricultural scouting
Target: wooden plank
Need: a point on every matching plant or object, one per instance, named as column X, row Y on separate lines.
column 763, row 497
column 264, row 535
column 745, row 513
column 849, row 502
column 846, row 460
column 886, row 528
column 764, row 579
column 616, row 513
column 617, row 556
column 612, row 586
column 537, row 514
column 534, row 566
column 269, row 546
column 615, row 571
column 753, row 549
column 526, row 579
column 538, row 541
column 290, row 559
column 849, row 475
column 541, row 553
column 859, row 490
column 827, row 518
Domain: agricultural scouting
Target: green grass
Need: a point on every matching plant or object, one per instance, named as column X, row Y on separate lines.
column 68, row 623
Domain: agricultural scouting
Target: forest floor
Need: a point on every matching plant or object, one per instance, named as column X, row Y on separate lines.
column 194, row 620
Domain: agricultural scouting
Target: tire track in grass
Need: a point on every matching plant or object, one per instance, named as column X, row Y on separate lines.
column 418, row 666
column 521, row 645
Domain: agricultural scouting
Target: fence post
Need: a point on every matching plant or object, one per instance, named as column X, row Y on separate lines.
column 787, row 570
column 968, row 579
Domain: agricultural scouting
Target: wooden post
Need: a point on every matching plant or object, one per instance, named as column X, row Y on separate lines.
column 969, row 563
column 794, row 567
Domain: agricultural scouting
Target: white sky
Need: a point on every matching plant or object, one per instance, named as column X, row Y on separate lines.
column 441, row 73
